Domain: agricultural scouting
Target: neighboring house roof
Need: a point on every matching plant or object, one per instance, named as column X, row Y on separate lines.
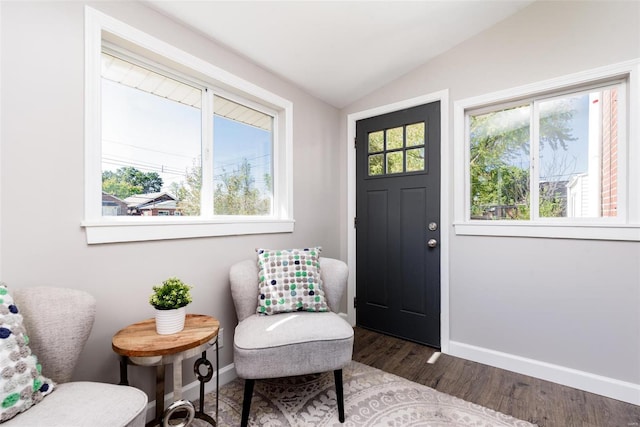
column 167, row 204
column 107, row 196
column 142, row 200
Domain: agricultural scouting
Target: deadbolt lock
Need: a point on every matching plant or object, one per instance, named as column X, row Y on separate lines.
column 433, row 226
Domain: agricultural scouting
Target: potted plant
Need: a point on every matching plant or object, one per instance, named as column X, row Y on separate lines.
column 169, row 301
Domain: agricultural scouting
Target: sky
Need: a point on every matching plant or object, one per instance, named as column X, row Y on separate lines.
column 575, row 159
column 156, row 134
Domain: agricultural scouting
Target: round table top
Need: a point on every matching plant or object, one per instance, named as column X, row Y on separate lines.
column 141, row 339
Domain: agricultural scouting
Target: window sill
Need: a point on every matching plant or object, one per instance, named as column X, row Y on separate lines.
column 154, row 228
column 624, row 232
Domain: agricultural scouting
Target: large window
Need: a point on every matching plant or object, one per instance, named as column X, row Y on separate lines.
column 552, row 160
column 152, row 145
column 553, row 157
column 176, row 147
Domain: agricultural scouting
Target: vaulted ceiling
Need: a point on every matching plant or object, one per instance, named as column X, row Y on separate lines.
column 339, row 51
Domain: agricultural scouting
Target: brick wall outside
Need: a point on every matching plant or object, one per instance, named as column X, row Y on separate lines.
column 609, row 180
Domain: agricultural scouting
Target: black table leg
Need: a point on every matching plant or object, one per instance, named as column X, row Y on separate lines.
column 200, row 414
column 124, row 380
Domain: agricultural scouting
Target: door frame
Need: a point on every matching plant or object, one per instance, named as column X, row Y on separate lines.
column 445, row 200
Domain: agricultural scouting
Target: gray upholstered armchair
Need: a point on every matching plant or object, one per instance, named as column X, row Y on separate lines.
column 289, row 344
column 58, row 322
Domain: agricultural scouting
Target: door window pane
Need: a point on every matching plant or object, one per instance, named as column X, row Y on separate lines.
column 415, row 134
column 395, row 138
column 376, row 142
column 415, row 160
column 376, row 166
column 395, row 162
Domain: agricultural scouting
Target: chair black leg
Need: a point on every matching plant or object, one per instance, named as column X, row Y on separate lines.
column 246, row 403
column 339, row 394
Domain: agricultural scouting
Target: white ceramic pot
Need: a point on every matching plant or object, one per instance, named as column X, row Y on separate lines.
column 170, row 321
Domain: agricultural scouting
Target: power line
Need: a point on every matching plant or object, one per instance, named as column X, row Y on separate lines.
column 139, row 147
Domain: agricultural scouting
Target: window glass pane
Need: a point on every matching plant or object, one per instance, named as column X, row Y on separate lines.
column 376, row 142
column 578, row 155
column 499, row 164
column 394, row 138
column 243, row 161
column 415, row 160
column 151, row 141
column 395, row 162
column 415, row 134
column 375, row 164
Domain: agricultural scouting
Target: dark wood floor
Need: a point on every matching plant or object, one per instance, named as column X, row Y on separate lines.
column 541, row 402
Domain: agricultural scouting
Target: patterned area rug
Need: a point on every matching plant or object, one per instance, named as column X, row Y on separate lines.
column 372, row 398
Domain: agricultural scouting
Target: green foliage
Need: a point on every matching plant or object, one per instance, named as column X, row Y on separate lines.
column 395, row 163
column 127, row 181
column 237, row 195
column 376, row 165
column 502, row 185
column 551, row 205
column 118, row 188
column 188, row 194
column 173, row 293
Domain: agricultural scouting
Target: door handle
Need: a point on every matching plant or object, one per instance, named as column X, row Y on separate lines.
column 432, row 243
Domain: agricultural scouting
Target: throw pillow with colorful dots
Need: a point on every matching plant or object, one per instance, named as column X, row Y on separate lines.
column 289, row 280
column 21, row 382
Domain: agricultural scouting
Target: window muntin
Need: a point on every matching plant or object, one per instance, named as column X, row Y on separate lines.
column 152, row 144
column 553, row 157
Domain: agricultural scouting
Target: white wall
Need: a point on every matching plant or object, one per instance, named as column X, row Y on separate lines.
column 561, row 308
column 42, row 181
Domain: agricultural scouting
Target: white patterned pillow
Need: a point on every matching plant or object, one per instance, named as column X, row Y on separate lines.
column 289, row 280
column 21, row 382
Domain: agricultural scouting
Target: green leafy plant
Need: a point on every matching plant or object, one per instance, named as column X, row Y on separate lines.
column 173, row 293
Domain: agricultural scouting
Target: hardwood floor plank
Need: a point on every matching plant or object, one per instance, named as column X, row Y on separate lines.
column 537, row 401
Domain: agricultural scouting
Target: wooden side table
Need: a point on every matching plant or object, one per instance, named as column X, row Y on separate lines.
column 140, row 344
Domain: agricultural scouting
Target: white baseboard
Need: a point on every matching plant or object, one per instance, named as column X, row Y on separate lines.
column 605, row 386
column 191, row 391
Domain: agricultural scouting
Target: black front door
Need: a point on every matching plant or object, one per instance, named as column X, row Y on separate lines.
column 397, row 224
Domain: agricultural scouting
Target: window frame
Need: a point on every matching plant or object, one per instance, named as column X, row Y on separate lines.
column 625, row 226
column 102, row 30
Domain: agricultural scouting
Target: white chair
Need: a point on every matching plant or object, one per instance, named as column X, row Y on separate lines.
column 289, row 344
column 58, row 322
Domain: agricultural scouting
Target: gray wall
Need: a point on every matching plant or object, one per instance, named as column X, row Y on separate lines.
column 514, row 295
column 572, row 303
column 42, row 181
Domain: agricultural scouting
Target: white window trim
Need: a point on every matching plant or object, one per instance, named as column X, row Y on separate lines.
column 627, row 227
column 101, row 229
